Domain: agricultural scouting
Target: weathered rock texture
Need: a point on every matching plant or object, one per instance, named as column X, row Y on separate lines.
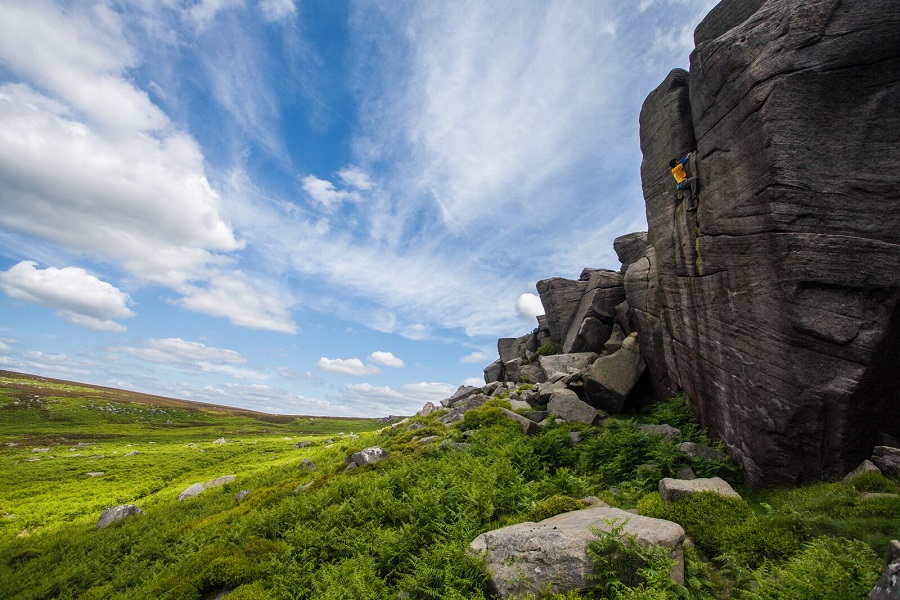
column 777, row 307
column 531, row 558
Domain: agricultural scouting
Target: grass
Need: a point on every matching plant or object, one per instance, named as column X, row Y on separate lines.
column 399, row 528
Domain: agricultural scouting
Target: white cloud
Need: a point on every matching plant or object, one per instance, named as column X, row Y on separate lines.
column 78, row 296
column 177, row 350
column 357, row 178
column 529, row 306
column 476, row 357
column 386, row 359
column 5, row 344
column 324, row 192
column 204, row 12
column 241, row 301
column 348, row 366
column 473, row 381
column 142, row 201
column 404, row 399
column 81, row 57
column 276, row 10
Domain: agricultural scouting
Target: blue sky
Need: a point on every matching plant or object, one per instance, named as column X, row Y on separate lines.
column 323, row 207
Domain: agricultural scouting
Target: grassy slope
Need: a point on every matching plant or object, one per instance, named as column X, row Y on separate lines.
column 401, row 525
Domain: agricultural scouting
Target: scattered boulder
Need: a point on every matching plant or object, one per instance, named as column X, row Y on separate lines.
column 493, row 372
column 133, row 453
column 673, row 490
column 96, row 474
column 428, row 439
column 866, row 466
column 685, row 473
column 528, row 426
column 239, row 497
column 695, row 450
column 40, row 449
column 221, row 440
column 461, row 393
column 566, row 363
column 302, row 444
column 888, row 587
column 368, row 456
column 429, row 408
column 551, row 556
column 568, row 406
column 519, row 404
column 191, row 491
column 308, row 464
column 887, row 460
column 610, row 379
column 197, row 488
column 415, row 426
column 666, row 432
column 117, row 513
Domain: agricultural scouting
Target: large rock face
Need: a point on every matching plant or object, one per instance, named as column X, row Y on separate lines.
column 778, row 303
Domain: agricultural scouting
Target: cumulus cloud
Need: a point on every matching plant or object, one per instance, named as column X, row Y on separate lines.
column 276, row 10
column 324, row 192
column 78, row 296
column 476, row 357
column 357, row 178
column 386, row 359
column 177, row 350
column 241, row 301
column 346, row 366
column 403, row 399
column 529, row 306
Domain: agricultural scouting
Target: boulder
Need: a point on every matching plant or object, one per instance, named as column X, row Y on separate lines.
column 603, row 292
column 551, row 556
column 117, row 513
column 569, row 407
column 519, row 404
column 614, row 342
column 494, row 371
column 429, row 408
column 695, row 450
column 888, row 587
column 631, row 247
column 302, row 444
column 196, row 488
column 512, row 348
column 191, row 491
column 866, row 466
column 610, row 379
column 666, row 432
column 528, row 426
column 307, row 465
column 368, row 456
column 239, row 497
column 673, row 490
column 531, row 373
column 221, row 440
column 780, row 296
column 566, row 363
column 887, row 460
column 415, row 426
column 463, row 392
column 561, row 299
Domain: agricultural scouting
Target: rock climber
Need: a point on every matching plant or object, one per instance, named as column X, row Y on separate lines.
column 687, row 185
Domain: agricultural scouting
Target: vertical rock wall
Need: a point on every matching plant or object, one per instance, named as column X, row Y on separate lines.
column 777, row 306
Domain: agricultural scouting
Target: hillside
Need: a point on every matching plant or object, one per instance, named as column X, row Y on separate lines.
column 308, row 528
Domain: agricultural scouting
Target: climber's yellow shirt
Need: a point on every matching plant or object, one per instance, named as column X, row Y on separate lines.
column 678, row 173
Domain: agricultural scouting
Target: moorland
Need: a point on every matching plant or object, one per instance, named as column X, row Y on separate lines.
column 307, row 528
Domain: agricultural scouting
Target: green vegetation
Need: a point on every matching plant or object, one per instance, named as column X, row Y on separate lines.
column 401, row 526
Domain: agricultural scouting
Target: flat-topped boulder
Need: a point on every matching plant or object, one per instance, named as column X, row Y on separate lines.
column 673, row 490
column 551, row 556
